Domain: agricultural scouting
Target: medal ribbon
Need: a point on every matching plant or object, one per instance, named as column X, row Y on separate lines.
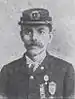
column 42, row 92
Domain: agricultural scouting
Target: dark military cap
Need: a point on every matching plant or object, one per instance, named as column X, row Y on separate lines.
column 35, row 16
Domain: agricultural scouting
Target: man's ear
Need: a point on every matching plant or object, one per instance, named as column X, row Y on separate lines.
column 51, row 37
column 21, row 35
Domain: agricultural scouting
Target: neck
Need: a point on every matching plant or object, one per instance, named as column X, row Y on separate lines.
column 38, row 57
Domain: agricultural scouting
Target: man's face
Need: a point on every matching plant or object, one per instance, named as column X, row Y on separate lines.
column 35, row 38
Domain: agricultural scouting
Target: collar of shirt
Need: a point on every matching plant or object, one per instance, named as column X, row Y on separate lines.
column 36, row 64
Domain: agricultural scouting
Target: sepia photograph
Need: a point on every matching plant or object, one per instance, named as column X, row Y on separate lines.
column 37, row 49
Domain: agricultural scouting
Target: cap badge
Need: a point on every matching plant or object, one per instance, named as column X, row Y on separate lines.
column 52, row 87
column 35, row 15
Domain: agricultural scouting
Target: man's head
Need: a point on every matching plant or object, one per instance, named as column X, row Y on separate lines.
column 36, row 25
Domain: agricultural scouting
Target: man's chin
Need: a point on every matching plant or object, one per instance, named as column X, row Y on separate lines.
column 33, row 47
column 35, row 51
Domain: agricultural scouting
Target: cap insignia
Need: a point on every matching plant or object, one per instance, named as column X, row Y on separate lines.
column 35, row 15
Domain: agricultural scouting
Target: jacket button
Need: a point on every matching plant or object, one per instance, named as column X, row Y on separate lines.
column 31, row 77
column 42, row 67
column 51, row 97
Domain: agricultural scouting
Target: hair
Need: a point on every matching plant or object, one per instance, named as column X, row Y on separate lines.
column 50, row 27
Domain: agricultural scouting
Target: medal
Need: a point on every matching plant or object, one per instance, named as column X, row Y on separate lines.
column 52, row 87
column 46, row 78
column 42, row 91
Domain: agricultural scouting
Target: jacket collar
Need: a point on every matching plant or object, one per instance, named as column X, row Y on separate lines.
column 46, row 64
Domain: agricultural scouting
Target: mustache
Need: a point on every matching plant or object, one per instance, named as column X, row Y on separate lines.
column 36, row 43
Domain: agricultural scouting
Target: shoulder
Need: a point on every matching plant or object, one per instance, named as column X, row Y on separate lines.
column 13, row 65
column 61, row 63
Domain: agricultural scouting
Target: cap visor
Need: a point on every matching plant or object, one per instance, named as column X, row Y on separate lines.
column 35, row 22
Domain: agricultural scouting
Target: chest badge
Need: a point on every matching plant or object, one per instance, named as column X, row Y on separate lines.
column 52, row 87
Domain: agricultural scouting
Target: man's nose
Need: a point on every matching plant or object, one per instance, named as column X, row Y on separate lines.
column 35, row 35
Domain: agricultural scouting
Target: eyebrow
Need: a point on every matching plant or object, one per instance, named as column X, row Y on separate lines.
column 40, row 28
column 26, row 28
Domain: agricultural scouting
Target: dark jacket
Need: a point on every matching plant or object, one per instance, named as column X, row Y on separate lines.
column 15, row 82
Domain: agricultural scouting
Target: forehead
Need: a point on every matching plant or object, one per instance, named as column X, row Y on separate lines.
column 35, row 26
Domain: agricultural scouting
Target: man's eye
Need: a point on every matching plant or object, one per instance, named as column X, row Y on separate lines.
column 28, row 32
column 41, row 32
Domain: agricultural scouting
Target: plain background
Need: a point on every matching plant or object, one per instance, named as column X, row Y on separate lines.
column 63, row 43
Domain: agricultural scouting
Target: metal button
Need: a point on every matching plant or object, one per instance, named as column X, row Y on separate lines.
column 42, row 67
column 31, row 77
column 51, row 97
column 45, row 83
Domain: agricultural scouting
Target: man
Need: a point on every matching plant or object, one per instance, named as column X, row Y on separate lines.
column 37, row 75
